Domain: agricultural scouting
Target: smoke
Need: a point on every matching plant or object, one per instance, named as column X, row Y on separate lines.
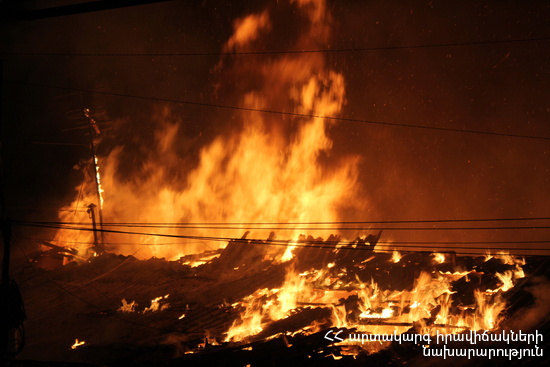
column 534, row 316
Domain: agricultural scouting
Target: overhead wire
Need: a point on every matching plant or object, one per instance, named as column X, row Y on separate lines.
column 70, row 225
column 282, row 113
column 278, row 52
column 308, row 244
column 327, row 222
column 383, row 242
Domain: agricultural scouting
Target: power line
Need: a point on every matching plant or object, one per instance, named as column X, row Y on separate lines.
column 335, row 228
column 124, row 243
column 313, row 223
column 69, row 225
column 283, row 113
column 379, row 242
column 251, row 53
column 307, row 244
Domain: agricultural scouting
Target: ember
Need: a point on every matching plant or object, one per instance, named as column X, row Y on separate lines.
column 77, row 344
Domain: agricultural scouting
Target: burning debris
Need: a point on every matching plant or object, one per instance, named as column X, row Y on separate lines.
column 326, row 292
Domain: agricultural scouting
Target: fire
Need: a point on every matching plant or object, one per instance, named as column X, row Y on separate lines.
column 429, row 302
column 197, row 262
column 385, row 314
column 156, row 305
column 506, row 280
column 268, row 168
column 99, row 189
column 396, row 256
column 439, row 258
column 518, row 272
column 273, row 169
column 250, row 322
column 128, row 307
column 509, row 260
column 77, row 344
column 288, row 255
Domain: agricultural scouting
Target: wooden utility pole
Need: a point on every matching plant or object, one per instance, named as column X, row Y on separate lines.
column 88, row 115
column 97, row 247
column 93, row 129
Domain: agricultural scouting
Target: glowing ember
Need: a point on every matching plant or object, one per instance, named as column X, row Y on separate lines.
column 439, row 258
column 396, row 256
column 77, row 344
column 385, row 314
column 196, row 263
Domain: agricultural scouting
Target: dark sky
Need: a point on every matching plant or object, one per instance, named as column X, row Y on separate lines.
column 406, row 173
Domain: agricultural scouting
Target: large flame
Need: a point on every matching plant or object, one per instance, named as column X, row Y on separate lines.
column 271, row 169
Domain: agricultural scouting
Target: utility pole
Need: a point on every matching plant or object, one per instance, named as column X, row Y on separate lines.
column 87, row 116
column 93, row 129
column 91, row 211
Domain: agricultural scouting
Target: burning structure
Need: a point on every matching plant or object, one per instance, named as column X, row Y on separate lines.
column 249, row 245
column 331, row 303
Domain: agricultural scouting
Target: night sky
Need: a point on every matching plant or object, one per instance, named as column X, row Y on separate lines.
column 404, row 173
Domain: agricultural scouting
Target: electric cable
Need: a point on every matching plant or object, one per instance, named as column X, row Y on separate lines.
column 236, row 53
column 282, row 113
column 274, row 242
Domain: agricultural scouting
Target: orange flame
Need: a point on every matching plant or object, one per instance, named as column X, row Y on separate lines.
column 269, row 170
column 128, row 307
column 156, row 305
column 430, row 299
